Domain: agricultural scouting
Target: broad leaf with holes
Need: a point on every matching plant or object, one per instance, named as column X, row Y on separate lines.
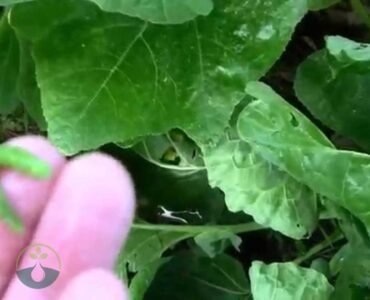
column 159, row 11
column 285, row 137
column 287, row 281
column 334, row 84
column 114, row 78
column 255, row 186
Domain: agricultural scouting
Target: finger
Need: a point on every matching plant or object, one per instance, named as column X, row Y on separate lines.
column 95, row 284
column 28, row 197
column 85, row 222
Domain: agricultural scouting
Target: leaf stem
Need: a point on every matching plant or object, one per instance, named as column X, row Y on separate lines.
column 335, row 237
column 361, row 10
column 237, row 228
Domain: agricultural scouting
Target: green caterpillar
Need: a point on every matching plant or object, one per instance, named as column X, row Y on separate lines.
column 20, row 160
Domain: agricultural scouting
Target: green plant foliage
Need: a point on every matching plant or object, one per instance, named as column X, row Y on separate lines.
column 142, row 280
column 27, row 88
column 9, row 67
column 334, row 85
column 214, row 242
column 147, row 242
column 189, row 276
column 255, row 186
column 289, row 140
column 159, row 11
column 115, row 66
column 146, row 246
column 11, row 2
column 354, row 276
column 227, row 174
column 287, row 281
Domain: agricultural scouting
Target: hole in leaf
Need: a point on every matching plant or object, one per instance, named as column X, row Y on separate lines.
column 361, row 46
column 293, row 120
column 194, row 154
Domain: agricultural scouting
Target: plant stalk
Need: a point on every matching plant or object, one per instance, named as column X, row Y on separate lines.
column 335, row 237
column 237, row 228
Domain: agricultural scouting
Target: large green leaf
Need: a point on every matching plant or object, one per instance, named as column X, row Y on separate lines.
column 284, row 136
column 147, row 242
column 159, row 11
column 144, row 247
column 255, row 186
column 352, row 261
column 334, row 85
column 354, row 276
column 287, row 281
column 142, row 280
column 9, row 67
column 188, row 276
column 27, row 88
column 107, row 77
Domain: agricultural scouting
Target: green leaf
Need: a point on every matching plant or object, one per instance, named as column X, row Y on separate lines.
column 255, row 186
column 287, row 281
column 27, row 88
column 11, row 2
column 354, row 276
column 147, row 242
column 334, row 85
column 188, row 276
column 321, row 265
column 9, row 67
column 352, row 261
column 137, row 79
column 159, row 11
column 165, row 192
column 285, row 137
column 215, row 242
column 146, row 246
column 142, row 280
column 321, row 4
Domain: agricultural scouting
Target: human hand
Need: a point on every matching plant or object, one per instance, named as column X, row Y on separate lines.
column 83, row 212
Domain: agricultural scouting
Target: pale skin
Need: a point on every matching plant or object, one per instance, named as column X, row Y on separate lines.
column 84, row 211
